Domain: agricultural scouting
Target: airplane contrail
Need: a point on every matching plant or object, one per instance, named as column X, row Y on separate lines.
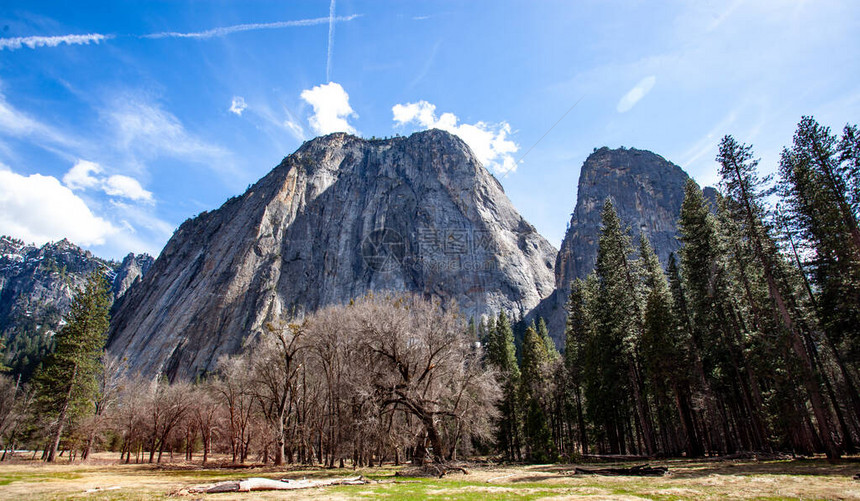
column 330, row 41
column 227, row 30
column 33, row 42
column 42, row 41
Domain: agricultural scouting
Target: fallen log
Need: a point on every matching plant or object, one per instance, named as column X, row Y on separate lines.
column 268, row 484
column 431, row 470
column 643, row 470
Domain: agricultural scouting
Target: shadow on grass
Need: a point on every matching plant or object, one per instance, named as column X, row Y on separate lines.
column 697, row 468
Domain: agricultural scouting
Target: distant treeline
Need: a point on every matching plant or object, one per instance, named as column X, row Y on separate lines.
column 749, row 340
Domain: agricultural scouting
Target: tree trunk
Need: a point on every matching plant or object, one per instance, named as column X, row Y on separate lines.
column 420, row 452
column 61, row 420
column 206, row 439
column 580, row 418
column 280, row 442
column 644, row 417
column 685, row 413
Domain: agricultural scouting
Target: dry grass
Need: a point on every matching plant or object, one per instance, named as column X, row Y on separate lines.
column 106, row 479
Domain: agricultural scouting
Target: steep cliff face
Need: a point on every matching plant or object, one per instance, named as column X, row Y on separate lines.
column 340, row 217
column 132, row 269
column 37, row 285
column 647, row 191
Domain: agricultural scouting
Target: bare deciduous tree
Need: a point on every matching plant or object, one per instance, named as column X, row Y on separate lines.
column 233, row 387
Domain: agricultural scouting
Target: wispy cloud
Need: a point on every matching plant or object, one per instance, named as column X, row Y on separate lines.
column 274, row 123
column 428, row 63
column 42, row 41
column 16, row 123
column 634, row 95
column 228, row 30
column 295, row 129
column 489, row 142
column 143, row 131
column 721, row 18
column 149, row 130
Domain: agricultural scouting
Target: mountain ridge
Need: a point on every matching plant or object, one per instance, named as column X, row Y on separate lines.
column 37, row 285
column 338, row 218
column 342, row 216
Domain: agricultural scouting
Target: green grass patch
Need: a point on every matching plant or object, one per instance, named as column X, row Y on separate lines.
column 7, row 478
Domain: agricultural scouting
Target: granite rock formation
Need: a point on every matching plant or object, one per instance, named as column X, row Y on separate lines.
column 647, row 191
column 338, row 218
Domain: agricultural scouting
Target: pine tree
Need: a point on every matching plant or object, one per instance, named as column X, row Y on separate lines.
column 745, row 210
column 501, row 354
column 717, row 327
column 577, row 332
column 820, row 189
column 664, row 356
column 612, row 361
column 699, row 385
column 67, row 383
column 543, row 333
column 534, row 396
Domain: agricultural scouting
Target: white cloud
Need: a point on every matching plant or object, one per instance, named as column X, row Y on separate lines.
column 126, row 187
column 489, row 142
column 238, row 105
column 227, row 30
column 331, row 108
column 41, row 41
column 80, row 177
column 636, row 93
column 39, row 209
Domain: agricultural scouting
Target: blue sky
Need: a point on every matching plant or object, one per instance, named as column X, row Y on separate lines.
column 119, row 120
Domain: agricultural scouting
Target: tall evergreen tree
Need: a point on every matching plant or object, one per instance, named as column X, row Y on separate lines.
column 577, row 332
column 67, row 383
column 744, row 207
column 664, row 352
column 717, row 327
column 612, row 359
column 543, row 332
column 501, row 354
column 535, row 397
column 820, row 188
